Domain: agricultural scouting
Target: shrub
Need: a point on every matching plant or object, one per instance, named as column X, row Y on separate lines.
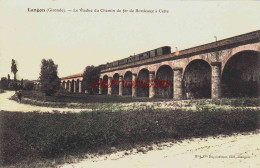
column 13, row 85
column 41, row 135
column 4, row 83
column 35, row 95
column 61, row 92
column 242, row 102
column 29, row 85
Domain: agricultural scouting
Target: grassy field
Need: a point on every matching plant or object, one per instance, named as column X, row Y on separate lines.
column 81, row 98
column 32, row 137
column 47, row 139
column 104, row 102
column 75, row 100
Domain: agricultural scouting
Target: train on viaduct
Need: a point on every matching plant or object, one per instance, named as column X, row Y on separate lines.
column 225, row 68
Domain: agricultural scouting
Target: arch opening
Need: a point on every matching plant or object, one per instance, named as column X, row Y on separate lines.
column 104, row 84
column 63, row 85
column 241, row 75
column 115, row 86
column 127, row 88
column 164, row 79
column 72, row 86
column 197, row 80
column 142, row 83
column 77, row 86
column 67, row 86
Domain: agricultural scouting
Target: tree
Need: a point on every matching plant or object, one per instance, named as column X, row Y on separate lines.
column 13, row 85
column 91, row 75
column 14, row 69
column 29, row 85
column 4, row 83
column 49, row 79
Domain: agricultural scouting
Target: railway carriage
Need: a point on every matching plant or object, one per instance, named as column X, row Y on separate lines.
column 143, row 56
column 122, row 61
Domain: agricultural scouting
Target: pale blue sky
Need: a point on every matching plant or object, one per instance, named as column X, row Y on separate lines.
column 75, row 40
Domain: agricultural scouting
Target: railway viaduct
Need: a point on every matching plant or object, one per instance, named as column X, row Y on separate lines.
column 72, row 83
column 225, row 68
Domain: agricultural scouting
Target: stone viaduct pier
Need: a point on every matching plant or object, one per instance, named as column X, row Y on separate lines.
column 225, row 68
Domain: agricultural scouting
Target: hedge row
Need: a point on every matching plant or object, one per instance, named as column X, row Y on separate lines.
column 45, row 135
column 239, row 102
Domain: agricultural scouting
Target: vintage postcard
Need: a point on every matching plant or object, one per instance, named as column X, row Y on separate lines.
column 127, row 83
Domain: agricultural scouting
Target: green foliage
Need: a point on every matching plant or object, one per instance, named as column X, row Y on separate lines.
column 13, row 85
column 4, row 83
column 40, row 135
column 49, row 77
column 90, row 75
column 64, row 99
column 238, row 102
column 29, row 85
column 61, row 92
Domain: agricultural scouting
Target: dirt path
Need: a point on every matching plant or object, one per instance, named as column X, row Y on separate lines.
column 10, row 105
column 225, row 152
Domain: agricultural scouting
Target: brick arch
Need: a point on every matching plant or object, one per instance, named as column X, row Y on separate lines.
column 115, row 74
column 127, row 90
column 105, row 80
column 193, row 59
column 114, row 87
column 102, row 75
column 164, row 75
column 162, row 65
column 141, row 70
column 67, row 84
column 248, row 47
column 72, row 85
column 77, row 84
column 127, row 70
column 240, row 75
column 143, row 67
column 63, row 83
column 120, row 73
column 142, row 89
column 109, row 74
column 168, row 63
column 197, row 79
